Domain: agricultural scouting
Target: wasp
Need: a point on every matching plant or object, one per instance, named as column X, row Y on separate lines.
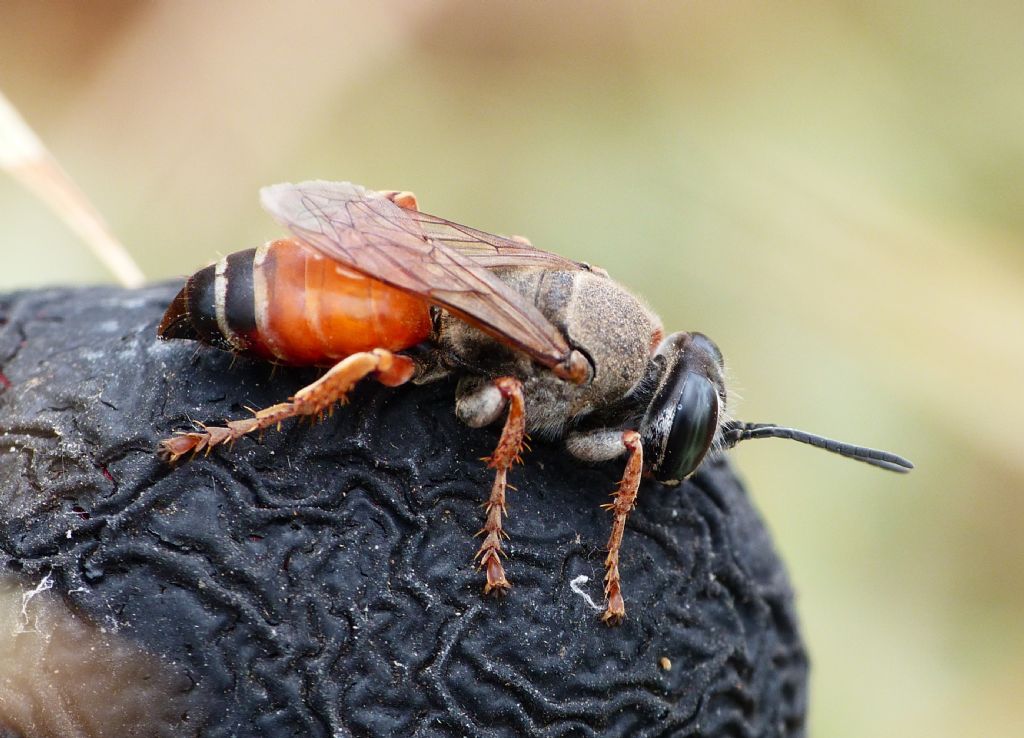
column 370, row 286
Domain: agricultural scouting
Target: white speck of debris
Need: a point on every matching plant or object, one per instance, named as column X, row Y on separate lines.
column 576, row 585
column 28, row 624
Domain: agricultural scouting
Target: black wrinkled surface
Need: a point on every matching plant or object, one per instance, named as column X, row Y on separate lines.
column 319, row 583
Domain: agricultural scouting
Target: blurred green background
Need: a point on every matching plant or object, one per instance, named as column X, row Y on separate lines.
column 832, row 190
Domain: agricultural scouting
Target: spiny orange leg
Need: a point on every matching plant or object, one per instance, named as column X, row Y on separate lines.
column 488, row 556
column 625, row 498
column 390, row 369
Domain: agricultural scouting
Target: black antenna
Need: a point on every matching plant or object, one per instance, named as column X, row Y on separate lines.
column 735, row 431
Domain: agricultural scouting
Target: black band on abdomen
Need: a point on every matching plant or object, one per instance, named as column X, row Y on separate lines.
column 239, row 300
column 202, row 307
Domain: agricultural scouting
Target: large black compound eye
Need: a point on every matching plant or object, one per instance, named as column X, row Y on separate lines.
column 690, row 415
column 700, row 342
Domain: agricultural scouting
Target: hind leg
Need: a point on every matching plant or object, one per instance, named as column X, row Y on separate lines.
column 320, row 396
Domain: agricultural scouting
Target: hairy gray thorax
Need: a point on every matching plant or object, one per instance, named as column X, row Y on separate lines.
column 598, row 316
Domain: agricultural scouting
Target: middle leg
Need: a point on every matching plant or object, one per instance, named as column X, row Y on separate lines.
column 479, row 406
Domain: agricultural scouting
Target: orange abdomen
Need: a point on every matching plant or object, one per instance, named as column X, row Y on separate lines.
column 286, row 303
column 310, row 310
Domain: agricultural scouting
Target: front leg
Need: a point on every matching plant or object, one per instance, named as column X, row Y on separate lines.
column 478, row 405
column 604, row 445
